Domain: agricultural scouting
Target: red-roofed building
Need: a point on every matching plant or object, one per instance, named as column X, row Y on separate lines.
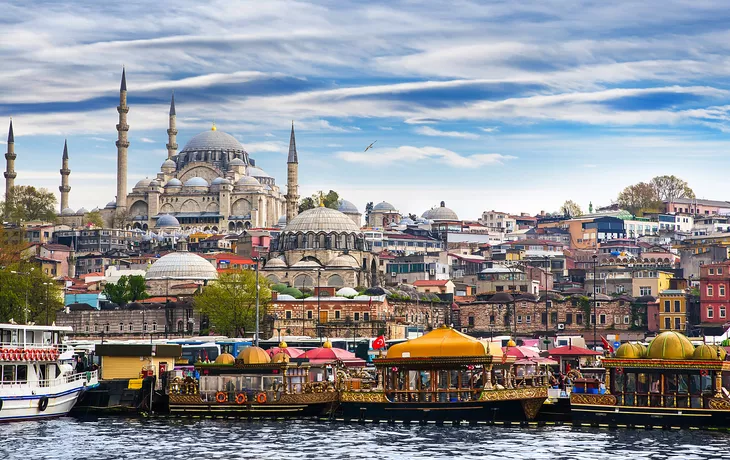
column 226, row 261
column 434, row 286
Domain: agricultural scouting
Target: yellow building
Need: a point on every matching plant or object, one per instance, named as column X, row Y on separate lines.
column 672, row 310
column 650, row 281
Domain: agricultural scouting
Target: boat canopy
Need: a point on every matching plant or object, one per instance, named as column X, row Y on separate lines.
column 444, row 342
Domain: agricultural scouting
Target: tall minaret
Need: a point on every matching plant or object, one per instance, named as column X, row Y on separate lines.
column 292, row 179
column 172, row 130
column 122, row 146
column 64, row 188
column 10, row 173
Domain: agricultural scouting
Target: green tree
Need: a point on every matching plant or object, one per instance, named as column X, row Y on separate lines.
column 670, row 188
column 639, row 199
column 571, row 208
column 22, row 280
column 230, row 302
column 137, row 288
column 330, row 199
column 368, row 210
column 94, row 219
column 27, row 203
column 127, row 289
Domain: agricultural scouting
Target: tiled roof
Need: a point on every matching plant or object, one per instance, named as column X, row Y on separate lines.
column 430, row 282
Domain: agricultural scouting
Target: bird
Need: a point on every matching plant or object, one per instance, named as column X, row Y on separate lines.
column 370, row 146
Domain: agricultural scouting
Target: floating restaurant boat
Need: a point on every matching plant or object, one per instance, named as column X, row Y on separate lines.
column 35, row 382
column 253, row 384
column 669, row 384
column 441, row 376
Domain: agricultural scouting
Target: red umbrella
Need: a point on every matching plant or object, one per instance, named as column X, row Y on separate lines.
column 282, row 348
column 327, row 354
column 520, row 352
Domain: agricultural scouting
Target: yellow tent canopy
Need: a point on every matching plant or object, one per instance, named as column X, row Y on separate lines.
column 443, row 342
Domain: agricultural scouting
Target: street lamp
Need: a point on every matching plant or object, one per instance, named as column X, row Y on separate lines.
column 256, row 336
column 595, row 313
column 319, row 316
column 27, row 288
column 46, row 284
column 547, row 312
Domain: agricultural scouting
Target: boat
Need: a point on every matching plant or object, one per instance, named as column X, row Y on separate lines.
column 36, row 382
column 669, row 384
column 444, row 376
column 254, row 385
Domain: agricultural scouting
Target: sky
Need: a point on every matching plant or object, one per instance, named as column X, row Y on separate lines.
column 511, row 106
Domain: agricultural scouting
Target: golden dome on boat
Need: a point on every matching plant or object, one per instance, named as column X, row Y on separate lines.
column 670, row 345
column 441, row 342
column 280, row 357
column 511, row 343
column 630, row 351
column 709, row 353
column 254, row 355
column 327, row 344
column 225, row 358
column 283, row 344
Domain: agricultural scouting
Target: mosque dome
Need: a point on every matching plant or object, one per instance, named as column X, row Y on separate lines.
column 236, row 162
column 144, row 183
column 247, row 181
column 109, row 205
column 256, row 172
column 69, row 212
column 384, row 206
column 225, row 358
column 275, row 263
column 254, row 355
column 306, row 264
column 406, row 221
column 441, row 213
column 346, row 292
column 168, row 164
column 347, row 207
column 282, row 222
column 167, row 220
column 174, row 183
column 196, row 182
column 343, row 261
column 181, row 265
column 81, row 212
column 670, row 345
column 321, row 219
column 220, row 181
column 212, row 140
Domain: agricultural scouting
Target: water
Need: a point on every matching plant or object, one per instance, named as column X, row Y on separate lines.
column 163, row 439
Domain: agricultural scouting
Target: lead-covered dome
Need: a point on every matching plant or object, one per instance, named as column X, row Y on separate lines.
column 321, row 219
column 167, row 221
column 347, row 207
column 196, row 182
column 384, row 206
column 181, row 266
column 213, row 140
column 214, row 147
column 440, row 213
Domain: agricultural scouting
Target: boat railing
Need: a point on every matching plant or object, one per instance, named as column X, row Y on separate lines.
column 88, row 376
column 60, row 347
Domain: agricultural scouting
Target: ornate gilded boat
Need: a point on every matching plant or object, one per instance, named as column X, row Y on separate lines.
column 669, row 384
column 442, row 376
column 252, row 385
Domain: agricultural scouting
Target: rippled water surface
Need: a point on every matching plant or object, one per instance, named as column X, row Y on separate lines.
column 115, row 438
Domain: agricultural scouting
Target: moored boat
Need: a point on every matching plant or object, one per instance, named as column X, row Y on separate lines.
column 443, row 376
column 34, row 381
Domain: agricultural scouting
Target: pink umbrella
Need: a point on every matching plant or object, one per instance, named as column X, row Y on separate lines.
column 327, row 354
column 292, row 352
column 520, row 352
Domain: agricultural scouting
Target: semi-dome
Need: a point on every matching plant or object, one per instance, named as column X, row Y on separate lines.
column 441, row 213
column 212, row 140
column 167, row 220
column 384, row 206
column 181, row 265
column 174, row 183
column 321, row 219
column 343, row 261
column 347, row 207
column 225, row 358
column 144, row 183
column 220, row 181
column 168, row 164
column 69, row 211
column 109, row 205
column 275, row 263
column 236, row 162
column 670, row 345
column 630, row 351
column 254, row 355
column 256, row 172
column 248, row 181
column 81, row 212
column 196, row 182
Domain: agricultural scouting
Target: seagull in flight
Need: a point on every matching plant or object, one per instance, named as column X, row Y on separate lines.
column 370, row 146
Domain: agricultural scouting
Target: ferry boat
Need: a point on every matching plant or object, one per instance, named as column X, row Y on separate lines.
column 34, row 381
column 669, row 384
column 254, row 385
column 444, row 376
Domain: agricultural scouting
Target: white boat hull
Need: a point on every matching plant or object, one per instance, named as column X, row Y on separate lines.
column 27, row 405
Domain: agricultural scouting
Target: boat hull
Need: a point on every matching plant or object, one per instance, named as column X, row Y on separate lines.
column 287, row 406
column 512, row 405
column 16, row 408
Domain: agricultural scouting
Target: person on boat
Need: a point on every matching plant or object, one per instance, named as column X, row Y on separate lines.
column 79, row 366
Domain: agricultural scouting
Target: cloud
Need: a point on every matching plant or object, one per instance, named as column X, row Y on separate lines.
column 147, row 140
column 428, row 131
column 334, row 145
column 411, row 154
column 491, row 129
column 273, row 146
column 386, row 128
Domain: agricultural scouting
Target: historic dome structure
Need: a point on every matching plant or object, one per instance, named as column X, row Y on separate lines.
column 68, row 212
column 321, row 220
column 215, row 147
column 382, row 215
column 350, row 210
column 182, row 265
column 440, row 213
column 670, row 345
column 167, row 221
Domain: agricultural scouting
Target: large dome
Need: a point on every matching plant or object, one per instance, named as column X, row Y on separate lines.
column 384, row 206
column 181, row 266
column 321, row 219
column 213, row 140
column 440, row 213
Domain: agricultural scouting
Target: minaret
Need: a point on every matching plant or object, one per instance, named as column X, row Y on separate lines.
column 64, row 188
column 292, row 176
column 172, row 130
column 10, row 173
column 122, row 146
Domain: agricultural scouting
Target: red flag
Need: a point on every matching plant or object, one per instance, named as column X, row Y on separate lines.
column 379, row 343
column 606, row 345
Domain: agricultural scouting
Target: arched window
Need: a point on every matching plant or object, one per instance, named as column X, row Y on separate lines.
column 131, row 327
column 121, row 327
column 180, row 327
column 154, row 326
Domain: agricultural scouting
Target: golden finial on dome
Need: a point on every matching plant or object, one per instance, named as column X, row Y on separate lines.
column 213, row 128
column 327, row 344
column 511, row 343
column 321, row 200
column 283, row 344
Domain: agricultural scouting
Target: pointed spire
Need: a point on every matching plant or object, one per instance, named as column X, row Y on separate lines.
column 124, row 80
column 65, row 149
column 11, row 136
column 292, row 147
column 172, row 104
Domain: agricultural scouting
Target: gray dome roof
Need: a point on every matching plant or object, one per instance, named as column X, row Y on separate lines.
column 343, row 261
column 384, row 206
column 347, row 207
column 196, row 182
column 212, row 140
column 282, row 222
column 81, row 212
column 167, row 220
column 174, row 183
column 69, row 211
column 154, row 183
column 441, row 213
column 256, row 172
column 275, row 263
column 143, row 183
column 168, row 164
column 406, row 221
column 321, row 219
column 219, row 181
column 236, row 162
column 248, row 181
column 306, row 264
column 182, row 266
column 111, row 204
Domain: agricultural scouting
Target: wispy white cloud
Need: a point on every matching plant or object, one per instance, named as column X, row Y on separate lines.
column 409, row 153
column 147, row 140
column 429, row 131
column 386, row 128
column 272, row 146
column 491, row 129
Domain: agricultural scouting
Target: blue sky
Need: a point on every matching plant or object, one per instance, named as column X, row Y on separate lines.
column 514, row 106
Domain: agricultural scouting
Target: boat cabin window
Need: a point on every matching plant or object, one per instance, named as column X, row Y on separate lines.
column 8, row 373
column 428, row 385
column 675, row 388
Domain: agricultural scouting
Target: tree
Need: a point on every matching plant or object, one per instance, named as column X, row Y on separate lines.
column 127, row 289
column 368, row 210
column 570, row 208
column 230, row 302
column 44, row 296
column 412, row 216
column 137, row 288
column 94, row 219
column 330, row 199
column 27, row 203
column 639, row 199
column 12, row 246
column 670, row 188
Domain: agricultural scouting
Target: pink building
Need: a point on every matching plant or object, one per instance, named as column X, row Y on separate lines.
column 59, row 252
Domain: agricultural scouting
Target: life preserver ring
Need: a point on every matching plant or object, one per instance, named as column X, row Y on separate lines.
column 240, row 398
column 221, row 397
column 261, row 398
column 704, row 373
column 43, row 403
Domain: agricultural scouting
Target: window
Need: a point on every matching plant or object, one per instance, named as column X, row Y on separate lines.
column 677, row 306
column 310, row 315
column 519, row 319
column 106, row 327
column 579, row 318
column 131, row 327
column 711, row 271
column 366, row 316
column 568, row 318
column 528, row 319
column 471, row 320
column 667, row 323
column 616, row 319
column 677, row 323
column 491, row 319
column 86, row 328
column 121, row 327
column 719, row 270
column 154, row 326
column 721, row 290
column 338, row 314
column 543, row 318
column 144, row 326
column 645, row 290
column 357, row 317
column 709, row 290
column 602, row 318
column 722, row 311
column 667, row 306
column 626, row 319
column 710, row 312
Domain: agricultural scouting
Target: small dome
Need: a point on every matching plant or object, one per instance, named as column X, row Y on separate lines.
column 81, row 212
column 670, row 345
column 181, row 265
column 441, row 213
column 174, row 183
column 346, row 292
column 285, row 297
column 406, row 221
column 256, row 172
column 68, row 212
column 154, row 183
column 343, row 261
column 511, row 343
column 347, row 207
column 630, row 351
column 168, row 164
column 144, row 183
column 384, row 206
column 167, row 220
column 275, row 263
column 306, row 264
column 220, row 181
column 709, row 353
column 280, row 357
column 327, row 344
column 236, row 162
column 254, row 355
column 248, row 181
column 283, row 344
column 196, row 182
column 282, row 222
column 111, row 204
column 225, row 358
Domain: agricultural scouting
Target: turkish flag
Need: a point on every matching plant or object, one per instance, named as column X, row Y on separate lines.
column 379, row 343
column 606, row 345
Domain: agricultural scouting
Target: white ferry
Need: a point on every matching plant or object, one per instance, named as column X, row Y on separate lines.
column 34, row 380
